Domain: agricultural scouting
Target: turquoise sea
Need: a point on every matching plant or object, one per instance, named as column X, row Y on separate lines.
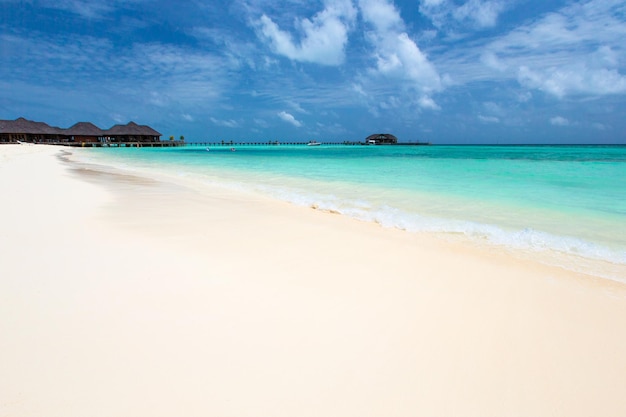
column 563, row 205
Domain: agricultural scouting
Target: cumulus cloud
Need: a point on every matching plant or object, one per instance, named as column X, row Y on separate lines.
column 482, row 14
column 576, row 79
column 322, row 39
column 569, row 52
column 287, row 117
column 559, row 121
column 575, row 50
column 381, row 14
column 428, row 103
column 397, row 55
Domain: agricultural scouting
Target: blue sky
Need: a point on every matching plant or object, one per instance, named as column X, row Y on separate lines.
column 444, row 71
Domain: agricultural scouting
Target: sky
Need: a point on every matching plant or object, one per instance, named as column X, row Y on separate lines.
column 441, row 71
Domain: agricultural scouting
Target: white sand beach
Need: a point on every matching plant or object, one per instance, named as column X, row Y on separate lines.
column 125, row 296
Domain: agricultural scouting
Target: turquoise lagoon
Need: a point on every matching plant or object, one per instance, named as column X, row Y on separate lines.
column 564, row 205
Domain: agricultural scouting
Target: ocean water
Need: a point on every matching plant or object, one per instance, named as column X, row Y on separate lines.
column 563, row 205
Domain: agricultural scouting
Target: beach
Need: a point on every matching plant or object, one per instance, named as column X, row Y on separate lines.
column 125, row 295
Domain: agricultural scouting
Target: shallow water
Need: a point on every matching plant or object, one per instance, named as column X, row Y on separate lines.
column 565, row 200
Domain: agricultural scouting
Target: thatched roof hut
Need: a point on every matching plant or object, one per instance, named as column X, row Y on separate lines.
column 29, row 131
column 22, row 129
column 132, row 132
column 84, row 129
column 23, row 125
column 132, row 128
column 381, row 138
column 85, row 132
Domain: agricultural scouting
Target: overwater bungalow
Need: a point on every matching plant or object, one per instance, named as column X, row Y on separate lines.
column 85, row 132
column 132, row 132
column 381, row 139
column 23, row 130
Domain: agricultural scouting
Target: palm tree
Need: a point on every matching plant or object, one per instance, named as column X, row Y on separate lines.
column 172, row 137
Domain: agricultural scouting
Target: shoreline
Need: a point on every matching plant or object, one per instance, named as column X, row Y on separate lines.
column 530, row 242
column 233, row 304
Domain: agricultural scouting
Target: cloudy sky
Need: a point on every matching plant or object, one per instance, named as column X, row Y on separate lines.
column 444, row 71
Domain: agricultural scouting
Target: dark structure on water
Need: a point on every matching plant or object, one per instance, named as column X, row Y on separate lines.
column 381, row 139
column 80, row 134
column 388, row 139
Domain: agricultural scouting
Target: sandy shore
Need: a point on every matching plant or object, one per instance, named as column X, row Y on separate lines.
column 122, row 296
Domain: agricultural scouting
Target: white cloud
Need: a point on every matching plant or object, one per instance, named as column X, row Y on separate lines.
column 575, row 50
column 358, row 88
column 91, row 9
column 322, row 39
column 382, row 14
column 559, row 121
column 225, row 123
column 297, row 107
column 158, row 99
column 488, row 119
column 117, row 118
column 187, row 117
column 237, row 51
column 491, row 60
column 482, row 14
column 493, row 113
column 435, row 11
column 261, row 123
column 575, row 79
column 397, row 56
column 432, row 3
column 84, row 8
column 289, row 118
column 479, row 14
column 605, row 57
column 572, row 51
column 493, row 108
column 428, row 103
